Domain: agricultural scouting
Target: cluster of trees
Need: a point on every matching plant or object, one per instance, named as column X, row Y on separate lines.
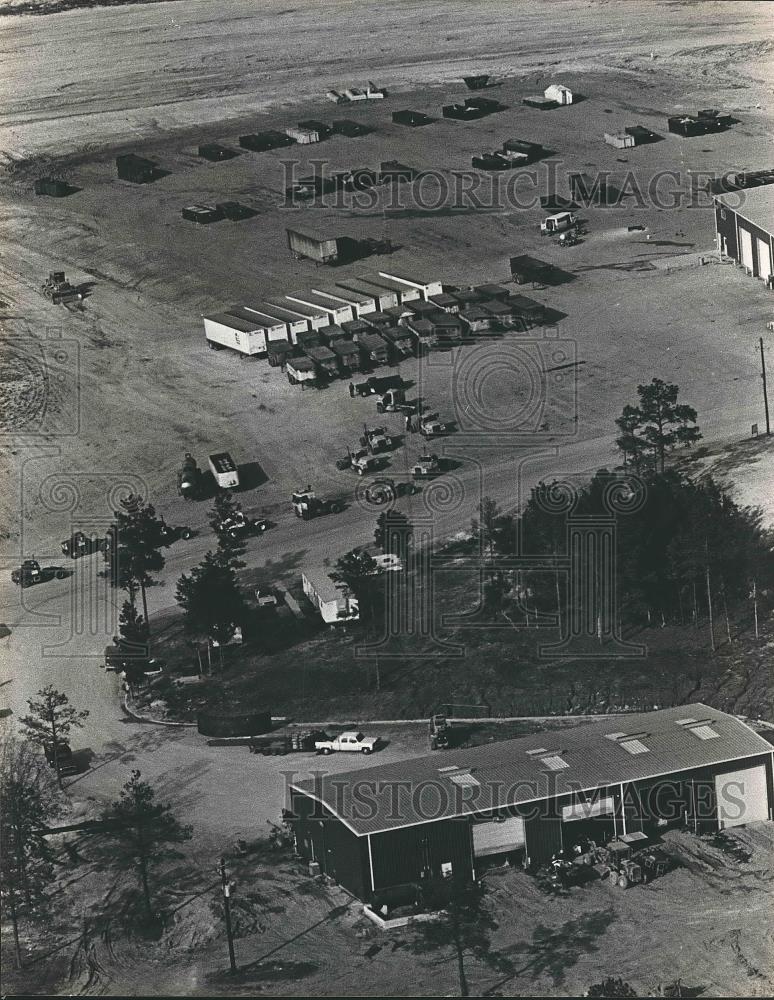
column 141, row 832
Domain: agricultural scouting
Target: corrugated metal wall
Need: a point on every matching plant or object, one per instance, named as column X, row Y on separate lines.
column 323, row 838
column 401, row 856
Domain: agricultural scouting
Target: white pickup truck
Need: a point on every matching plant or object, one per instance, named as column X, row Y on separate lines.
column 352, row 742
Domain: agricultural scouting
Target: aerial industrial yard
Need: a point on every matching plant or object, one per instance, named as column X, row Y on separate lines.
column 278, row 271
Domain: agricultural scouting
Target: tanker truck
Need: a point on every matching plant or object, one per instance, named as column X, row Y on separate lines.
column 189, row 478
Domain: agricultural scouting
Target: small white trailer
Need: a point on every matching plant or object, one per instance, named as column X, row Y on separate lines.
column 561, row 222
column 339, row 312
column 224, row 469
column 425, row 288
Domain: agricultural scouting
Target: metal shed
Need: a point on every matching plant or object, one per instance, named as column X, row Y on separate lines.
column 527, row 798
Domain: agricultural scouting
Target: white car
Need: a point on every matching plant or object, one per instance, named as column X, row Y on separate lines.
column 349, row 742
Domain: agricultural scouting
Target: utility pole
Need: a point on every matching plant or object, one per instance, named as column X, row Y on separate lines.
column 765, row 390
column 227, row 910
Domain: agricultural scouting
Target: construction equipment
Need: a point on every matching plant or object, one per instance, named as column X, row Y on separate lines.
column 376, row 439
column 169, row 535
column 375, row 385
column 558, row 223
column 238, row 525
column 57, row 288
column 439, row 732
column 306, row 504
column 383, row 491
column 425, row 467
column 430, row 425
column 189, row 478
column 30, row 573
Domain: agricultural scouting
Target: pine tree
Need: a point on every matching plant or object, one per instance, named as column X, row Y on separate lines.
column 50, row 722
column 139, row 535
column 211, row 600
column 144, row 831
column 222, row 518
column 656, row 425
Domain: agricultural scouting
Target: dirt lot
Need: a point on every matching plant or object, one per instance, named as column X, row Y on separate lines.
column 707, row 922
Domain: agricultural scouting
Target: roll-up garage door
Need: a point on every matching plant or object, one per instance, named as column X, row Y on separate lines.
column 498, row 838
column 745, row 246
column 588, row 810
column 742, row 796
column 764, row 260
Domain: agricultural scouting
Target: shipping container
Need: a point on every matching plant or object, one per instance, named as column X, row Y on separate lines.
column 359, row 302
column 403, row 291
column 315, row 318
column 301, row 371
column 203, row 214
column 485, row 103
column 426, row 288
column 490, row 291
column 303, row 136
column 319, row 248
column 338, row 312
column 381, row 297
column 245, row 336
column 136, row 169
column 619, row 140
column 293, row 324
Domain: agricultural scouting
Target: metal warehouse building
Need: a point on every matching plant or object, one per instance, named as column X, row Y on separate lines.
column 378, row 827
column 744, row 223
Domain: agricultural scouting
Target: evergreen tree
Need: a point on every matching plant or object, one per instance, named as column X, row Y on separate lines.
column 139, row 540
column 211, row 599
column 657, row 425
column 50, row 721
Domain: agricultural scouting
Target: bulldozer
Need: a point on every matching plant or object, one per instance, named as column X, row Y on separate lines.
column 57, row 288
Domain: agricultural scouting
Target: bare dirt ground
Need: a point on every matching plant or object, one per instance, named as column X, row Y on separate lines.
column 708, row 922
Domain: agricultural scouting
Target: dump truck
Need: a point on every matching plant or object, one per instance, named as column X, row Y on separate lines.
column 351, row 742
column 362, row 461
column 394, row 401
column 57, row 288
column 558, row 223
column 376, row 439
column 239, row 525
column 189, row 478
column 224, row 469
column 375, row 386
column 306, row 504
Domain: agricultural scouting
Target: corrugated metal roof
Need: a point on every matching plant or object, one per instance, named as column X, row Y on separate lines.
column 510, row 772
column 754, row 204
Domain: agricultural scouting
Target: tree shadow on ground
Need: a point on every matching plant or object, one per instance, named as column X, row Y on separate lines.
column 554, row 950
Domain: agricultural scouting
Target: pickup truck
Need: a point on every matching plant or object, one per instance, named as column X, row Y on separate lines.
column 352, row 742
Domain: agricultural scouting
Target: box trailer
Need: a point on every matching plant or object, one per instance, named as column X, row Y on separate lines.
column 320, row 248
column 403, row 292
column 381, row 297
column 374, row 348
column 225, row 471
column 359, row 302
column 492, row 291
column 445, row 302
column 247, row 336
column 274, row 328
column 315, row 318
column 302, row 135
column 260, row 142
column 294, row 324
column 301, row 371
column 339, row 312
column 425, row 288
column 203, row 214
column 540, row 102
column 136, row 169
